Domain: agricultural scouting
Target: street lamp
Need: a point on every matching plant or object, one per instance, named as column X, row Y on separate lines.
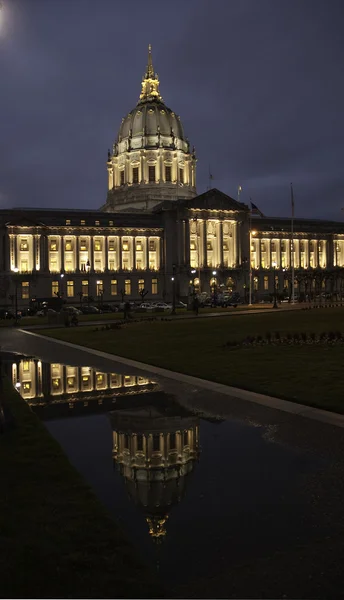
column 214, row 288
column 275, row 289
column 16, row 271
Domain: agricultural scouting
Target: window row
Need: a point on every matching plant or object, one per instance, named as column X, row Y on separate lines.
column 151, row 175
column 60, row 289
column 98, row 244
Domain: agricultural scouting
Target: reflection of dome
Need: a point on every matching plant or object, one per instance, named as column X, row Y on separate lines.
column 155, row 450
column 151, row 159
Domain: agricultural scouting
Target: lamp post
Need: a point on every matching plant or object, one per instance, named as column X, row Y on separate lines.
column 16, row 271
column 214, row 288
column 173, row 279
column 275, row 289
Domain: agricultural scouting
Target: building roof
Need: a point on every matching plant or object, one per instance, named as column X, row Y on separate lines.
column 280, row 224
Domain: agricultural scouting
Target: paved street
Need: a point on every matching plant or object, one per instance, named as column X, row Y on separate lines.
column 262, row 515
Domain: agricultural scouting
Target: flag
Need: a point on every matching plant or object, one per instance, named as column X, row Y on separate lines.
column 255, row 210
column 292, row 200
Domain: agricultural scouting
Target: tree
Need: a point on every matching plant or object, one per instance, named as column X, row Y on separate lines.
column 143, row 293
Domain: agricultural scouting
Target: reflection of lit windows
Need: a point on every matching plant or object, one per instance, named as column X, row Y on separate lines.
column 97, row 245
column 70, row 289
column 25, row 291
column 24, row 245
column 68, row 245
column 135, row 175
column 151, row 174
column 127, row 287
column 141, row 285
column 53, row 245
column 26, row 366
column 154, row 286
column 125, row 245
column 156, row 442
column 114, row 287
column 54, row 288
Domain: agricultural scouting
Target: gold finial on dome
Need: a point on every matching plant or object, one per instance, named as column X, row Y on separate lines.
column 150, row 81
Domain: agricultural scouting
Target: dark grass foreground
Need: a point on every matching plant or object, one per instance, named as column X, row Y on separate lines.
column 306, row 374
column 56, row 540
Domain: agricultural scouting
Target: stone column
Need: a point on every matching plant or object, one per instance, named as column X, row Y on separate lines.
column 147, row 252
column 221, row 244
column 91, row 258
column 16, row 251
column 77, row 253
column 308, row 253
column 205, row 258
column 134, row 252
column 33, row 252
column 106, row 254
column 161, row 252
column 61, row 241
column 187, row 243
column 119, row 253
column 235, row 245
column 317, row 253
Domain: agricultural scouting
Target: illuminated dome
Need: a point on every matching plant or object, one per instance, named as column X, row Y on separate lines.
column 151, row 159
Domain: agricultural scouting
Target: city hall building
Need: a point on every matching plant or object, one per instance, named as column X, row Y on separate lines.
column 154, row 232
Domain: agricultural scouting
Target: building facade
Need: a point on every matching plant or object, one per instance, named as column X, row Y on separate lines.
column 155, row 234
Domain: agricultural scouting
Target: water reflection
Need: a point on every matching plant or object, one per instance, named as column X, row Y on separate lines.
column 57, row 390
column 155, row 449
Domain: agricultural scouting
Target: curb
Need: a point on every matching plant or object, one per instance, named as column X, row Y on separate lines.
column 316, row 414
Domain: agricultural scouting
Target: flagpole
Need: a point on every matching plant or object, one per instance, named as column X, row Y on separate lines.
column 292, row 246
column 250, row 276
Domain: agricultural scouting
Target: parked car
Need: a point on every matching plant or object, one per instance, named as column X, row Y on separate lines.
column 147, row 306
column 180, row 304
column 108, row 308
column 71, row 310
column 90, row 310
column 162, row 305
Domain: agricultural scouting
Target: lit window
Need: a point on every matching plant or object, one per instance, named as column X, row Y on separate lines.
column 168, row 176
column 266, row 282
column 139, row 246
column 24, row 245
column 151, row 174
column 84, row 288
column 125, row 245
column 82, row 222
column 112, row 245
column 100, row 288
column 154, row 286
column 112, row 264
column 122, row 177
column 192, row 245
column 209, row 246
column 97, row 265
column 152, row 245
column 26, row 366
column 127, row 287
column 53, row 264
column 25, row 290
column 97, row 223
column 53, row 245
column 54, row 288
column 67, row 221
column 181, row 175
column 111, row 223
column 141, row 285
column 135, row 175
column 24, row 266
column 70, row 289
column 97, row 245
column 83, row 244
column 68, row 245
column 255, row 283
column 114, row 287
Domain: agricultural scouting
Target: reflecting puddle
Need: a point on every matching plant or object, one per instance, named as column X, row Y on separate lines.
column 195, row 497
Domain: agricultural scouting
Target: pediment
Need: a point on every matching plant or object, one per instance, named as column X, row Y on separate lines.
column 215, row 200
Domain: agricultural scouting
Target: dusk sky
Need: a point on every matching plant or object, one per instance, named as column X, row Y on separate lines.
column 258, row 84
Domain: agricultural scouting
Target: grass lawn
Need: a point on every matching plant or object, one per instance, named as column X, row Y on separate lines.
column 310, row 374
column 56, row 540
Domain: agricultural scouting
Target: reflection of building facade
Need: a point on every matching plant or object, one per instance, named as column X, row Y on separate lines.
column 153, row 226
column 72, row 388
column 155, row 451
